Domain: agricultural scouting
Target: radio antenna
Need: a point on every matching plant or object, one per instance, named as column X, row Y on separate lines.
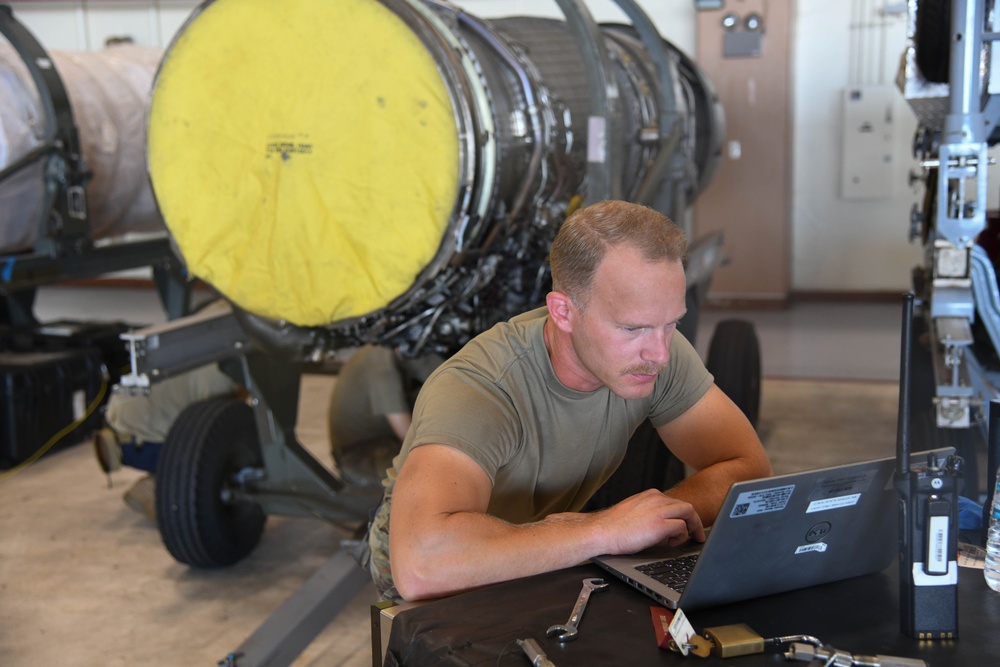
column 905, row 353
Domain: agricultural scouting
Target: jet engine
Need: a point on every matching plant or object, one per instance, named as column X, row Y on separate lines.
column 393, row 171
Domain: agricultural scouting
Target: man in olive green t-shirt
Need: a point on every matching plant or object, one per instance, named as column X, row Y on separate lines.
column 513, row 434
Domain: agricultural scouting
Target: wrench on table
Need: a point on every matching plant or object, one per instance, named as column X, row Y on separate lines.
column 568, row 631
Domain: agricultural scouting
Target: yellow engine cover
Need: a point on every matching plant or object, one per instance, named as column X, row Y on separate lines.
column 304, row 154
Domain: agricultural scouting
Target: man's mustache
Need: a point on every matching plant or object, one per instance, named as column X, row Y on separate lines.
column 645, row 369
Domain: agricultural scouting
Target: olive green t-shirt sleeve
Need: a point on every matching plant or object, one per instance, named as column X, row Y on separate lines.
column 469, row 412
column 681, row 385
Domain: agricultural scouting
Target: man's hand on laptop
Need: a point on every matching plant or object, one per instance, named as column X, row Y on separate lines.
column 641, row 521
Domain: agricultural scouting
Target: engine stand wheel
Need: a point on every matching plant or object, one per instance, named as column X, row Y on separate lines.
column 734, row 360
column 207, row 445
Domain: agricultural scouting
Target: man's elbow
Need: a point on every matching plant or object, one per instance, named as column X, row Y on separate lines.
column 760, row 465
column 416, row 581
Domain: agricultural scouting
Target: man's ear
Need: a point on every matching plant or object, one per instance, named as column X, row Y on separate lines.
column 561, row 310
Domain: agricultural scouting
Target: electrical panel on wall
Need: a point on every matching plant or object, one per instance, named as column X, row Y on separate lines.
column 743, row 36
column 867, row 169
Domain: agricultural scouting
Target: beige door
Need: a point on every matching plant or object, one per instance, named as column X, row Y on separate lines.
column 744, row 49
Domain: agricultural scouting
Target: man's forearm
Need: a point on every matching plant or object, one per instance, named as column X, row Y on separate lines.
column 467, row 549
column 706, row 489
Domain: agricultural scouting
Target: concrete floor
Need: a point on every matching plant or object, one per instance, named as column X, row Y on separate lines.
column 85, row 581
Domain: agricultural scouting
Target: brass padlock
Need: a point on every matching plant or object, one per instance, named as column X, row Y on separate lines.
column 730, row 641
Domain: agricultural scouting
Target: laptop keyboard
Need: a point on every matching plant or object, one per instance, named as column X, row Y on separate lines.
column 672, row 572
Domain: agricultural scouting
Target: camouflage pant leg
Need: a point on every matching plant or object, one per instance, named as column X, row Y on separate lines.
column 378, row 565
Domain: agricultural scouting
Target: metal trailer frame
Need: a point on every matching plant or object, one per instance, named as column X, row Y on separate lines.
column 959, row 281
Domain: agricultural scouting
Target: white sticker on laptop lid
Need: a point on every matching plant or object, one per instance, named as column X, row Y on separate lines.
column 839, row 491
column 833, row 503
column 811, row 548
column 762, row 501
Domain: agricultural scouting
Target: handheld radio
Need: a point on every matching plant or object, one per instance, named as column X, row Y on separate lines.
column 928, row 522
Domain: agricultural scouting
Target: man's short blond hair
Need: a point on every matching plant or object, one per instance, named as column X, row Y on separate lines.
column 586, row 236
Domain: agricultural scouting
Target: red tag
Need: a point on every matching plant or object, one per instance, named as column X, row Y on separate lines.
column 661, row 624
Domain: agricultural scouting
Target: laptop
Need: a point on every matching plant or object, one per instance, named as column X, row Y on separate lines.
column 778, row 534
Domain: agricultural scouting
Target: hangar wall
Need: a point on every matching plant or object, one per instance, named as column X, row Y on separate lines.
column 836, row 245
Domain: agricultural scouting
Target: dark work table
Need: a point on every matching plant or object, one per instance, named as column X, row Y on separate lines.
column 859, row 615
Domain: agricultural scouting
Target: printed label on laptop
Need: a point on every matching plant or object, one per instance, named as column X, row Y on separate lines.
column 762, row 501
column 842, row 486
column 833, row 503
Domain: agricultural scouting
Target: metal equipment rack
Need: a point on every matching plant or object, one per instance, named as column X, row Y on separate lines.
column 948, row 75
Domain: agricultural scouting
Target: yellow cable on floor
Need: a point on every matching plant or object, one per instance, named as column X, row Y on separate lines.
column 61, row 434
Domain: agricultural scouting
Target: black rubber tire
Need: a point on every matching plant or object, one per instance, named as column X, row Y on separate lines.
column 208, row 443
column 734, row 360
column 932, row 39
